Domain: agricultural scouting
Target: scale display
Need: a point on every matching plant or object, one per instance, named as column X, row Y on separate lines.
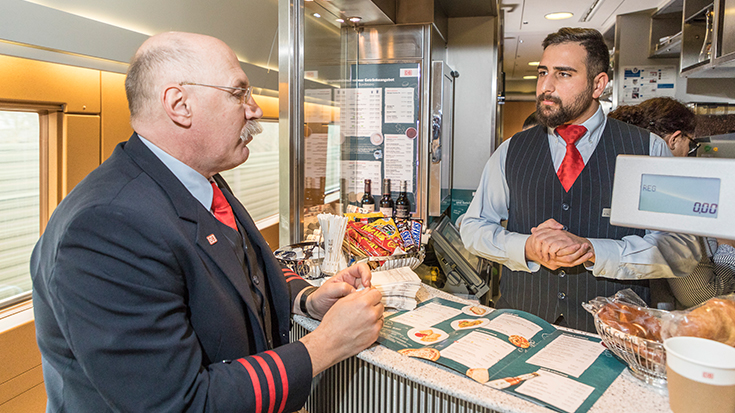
column 681, row 195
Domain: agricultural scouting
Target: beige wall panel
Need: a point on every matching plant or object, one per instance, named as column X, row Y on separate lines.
column 269, row 105
column 27, row 80
column 32, row 401
column 81, row 149
column 115, row 114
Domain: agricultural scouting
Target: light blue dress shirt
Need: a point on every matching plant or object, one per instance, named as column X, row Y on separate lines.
column 196, row 183
column 656, row 255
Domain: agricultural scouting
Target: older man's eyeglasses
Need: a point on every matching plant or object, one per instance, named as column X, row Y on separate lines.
column 243, row 94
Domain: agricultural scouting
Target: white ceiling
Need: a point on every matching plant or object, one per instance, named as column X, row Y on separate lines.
column 526, row 27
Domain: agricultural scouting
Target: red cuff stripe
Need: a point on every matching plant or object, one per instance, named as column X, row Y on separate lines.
column 256, row 384
column 295, row 277
column 271, row 385
column 284, row 377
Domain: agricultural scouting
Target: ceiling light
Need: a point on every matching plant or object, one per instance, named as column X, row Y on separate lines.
column 534, row 63
column 529, row 77
column 355, row 19
column 559, row 15
column 317, row 15
column 340, row 20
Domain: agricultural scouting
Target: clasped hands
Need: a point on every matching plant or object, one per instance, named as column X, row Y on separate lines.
column 553, row 247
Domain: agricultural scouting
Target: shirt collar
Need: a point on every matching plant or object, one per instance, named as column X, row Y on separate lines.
column 594, row 126
column 195, row 183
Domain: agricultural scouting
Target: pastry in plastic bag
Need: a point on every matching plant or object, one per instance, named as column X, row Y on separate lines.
column 714, row 319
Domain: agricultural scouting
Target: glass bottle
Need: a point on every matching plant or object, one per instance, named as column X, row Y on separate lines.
column 402, row 204
column 367, row 201
column 386, row 203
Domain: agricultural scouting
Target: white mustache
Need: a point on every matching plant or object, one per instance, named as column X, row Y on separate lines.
column 251, row 129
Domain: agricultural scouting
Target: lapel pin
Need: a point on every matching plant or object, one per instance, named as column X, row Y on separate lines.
column 212, row 239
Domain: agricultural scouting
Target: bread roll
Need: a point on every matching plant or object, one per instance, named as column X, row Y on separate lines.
column 714, row 320
column 631, row 320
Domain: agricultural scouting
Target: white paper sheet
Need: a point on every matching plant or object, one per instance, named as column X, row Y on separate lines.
column 315, row 151
column 478, row 350
column 556, row 390
column 317, row 107
column 398, row 159
column 399, row 105
column 360, row 111
column 510, row 324
column 356, row 172
column 427, row 315
column 568, row 354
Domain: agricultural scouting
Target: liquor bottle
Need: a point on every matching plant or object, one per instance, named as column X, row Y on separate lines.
column 367, row 201
column 386, row 203
column 403, row 206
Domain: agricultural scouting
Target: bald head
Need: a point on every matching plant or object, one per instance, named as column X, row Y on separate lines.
column 166, row 58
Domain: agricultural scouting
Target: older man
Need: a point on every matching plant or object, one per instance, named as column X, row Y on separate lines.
column 553, row 183
column 153, row 289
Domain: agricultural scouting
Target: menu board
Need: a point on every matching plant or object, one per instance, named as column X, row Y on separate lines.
column 507, row 350
column 379, row 123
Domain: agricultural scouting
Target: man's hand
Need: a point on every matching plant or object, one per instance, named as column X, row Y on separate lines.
column 341, row 285
column 553, row 247
column 350, row 326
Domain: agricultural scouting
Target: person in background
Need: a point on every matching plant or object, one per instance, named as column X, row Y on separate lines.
column 153, row 290
column 553, row 183
column 675, row 123
column 530, row 121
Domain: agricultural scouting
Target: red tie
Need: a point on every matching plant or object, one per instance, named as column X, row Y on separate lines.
column 221, row 208
column 572, row 164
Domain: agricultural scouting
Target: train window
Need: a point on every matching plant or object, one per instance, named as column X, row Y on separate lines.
column 255, row 183
column 19, row 202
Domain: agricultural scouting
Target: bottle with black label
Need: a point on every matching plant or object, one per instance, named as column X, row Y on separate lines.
column 403, row 206
column 386, row 203
column 367, row 201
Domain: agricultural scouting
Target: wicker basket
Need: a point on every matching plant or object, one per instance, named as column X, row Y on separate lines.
column 410, row 259
column 646, row 359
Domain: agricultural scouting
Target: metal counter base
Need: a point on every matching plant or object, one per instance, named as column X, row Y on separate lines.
column 379, row 380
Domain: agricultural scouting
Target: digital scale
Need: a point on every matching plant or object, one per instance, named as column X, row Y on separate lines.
column 675, row 194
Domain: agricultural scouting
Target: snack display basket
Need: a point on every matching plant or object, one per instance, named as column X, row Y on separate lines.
column 646, row 359
column 410, row 259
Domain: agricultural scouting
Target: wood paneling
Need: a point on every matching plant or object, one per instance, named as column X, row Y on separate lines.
column 81, row 149
column 21, row 379
column 24, row 80
column 115, row 114
column 514, row 113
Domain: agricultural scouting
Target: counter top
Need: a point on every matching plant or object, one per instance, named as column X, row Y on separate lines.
column 626, row 394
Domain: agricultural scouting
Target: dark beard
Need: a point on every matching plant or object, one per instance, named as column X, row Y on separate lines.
column 552, row 117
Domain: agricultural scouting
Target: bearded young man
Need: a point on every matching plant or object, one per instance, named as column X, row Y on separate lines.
column 559, row 248
column 153, row 290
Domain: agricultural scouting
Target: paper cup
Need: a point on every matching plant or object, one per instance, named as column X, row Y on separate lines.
column 700, row 374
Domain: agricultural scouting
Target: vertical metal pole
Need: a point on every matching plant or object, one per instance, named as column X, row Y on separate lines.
column 291, row 119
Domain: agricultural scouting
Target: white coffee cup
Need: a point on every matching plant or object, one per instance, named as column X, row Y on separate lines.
column 700, row 375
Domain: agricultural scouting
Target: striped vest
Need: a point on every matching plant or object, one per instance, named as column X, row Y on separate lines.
column 537, row 195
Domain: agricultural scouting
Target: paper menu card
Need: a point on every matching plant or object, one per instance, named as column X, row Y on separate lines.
column 507, row 350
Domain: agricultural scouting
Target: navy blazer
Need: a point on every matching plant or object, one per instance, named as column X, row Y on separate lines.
column 141, row 304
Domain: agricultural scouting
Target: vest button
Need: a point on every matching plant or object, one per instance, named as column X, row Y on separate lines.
column 565, row 207
column 562, row 273
column 561, row 296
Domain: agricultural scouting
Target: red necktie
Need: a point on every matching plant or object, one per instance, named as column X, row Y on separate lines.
column 572, row 164
column 221, row 208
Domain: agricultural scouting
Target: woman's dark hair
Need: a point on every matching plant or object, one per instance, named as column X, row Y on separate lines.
column 662, row 116
column 598, row 57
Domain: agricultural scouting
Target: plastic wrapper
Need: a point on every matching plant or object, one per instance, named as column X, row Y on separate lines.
column 714, row 319
column 628, row 313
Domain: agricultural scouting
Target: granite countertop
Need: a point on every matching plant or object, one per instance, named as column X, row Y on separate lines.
column 626, row 394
